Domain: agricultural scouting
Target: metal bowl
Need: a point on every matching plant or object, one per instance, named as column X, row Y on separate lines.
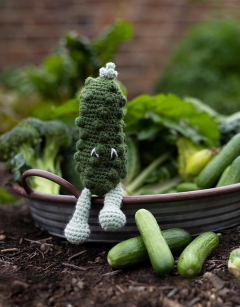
column 198, row 211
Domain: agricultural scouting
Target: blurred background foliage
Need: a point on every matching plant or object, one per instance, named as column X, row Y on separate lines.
column 49, row 90
column 204, row 68
column 205, row 64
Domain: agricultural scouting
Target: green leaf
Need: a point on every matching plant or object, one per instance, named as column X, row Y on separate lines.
column 83, row 56
column 206, row 126
column 199, row 121
column 16, row 166
column 148, row 132
column 172, row 106
column 200, row 106
column 44, row 83
column 107, row 43
column 69, row 107
column 6, row 198
column 54, row 65
column 136, row 110
column 145, row 113
column 180, row 127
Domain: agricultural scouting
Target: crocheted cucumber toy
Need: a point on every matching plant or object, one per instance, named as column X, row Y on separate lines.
column 101, row 154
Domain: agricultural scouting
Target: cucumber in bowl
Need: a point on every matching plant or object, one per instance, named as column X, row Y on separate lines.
column 132, row 252
column 191, row 260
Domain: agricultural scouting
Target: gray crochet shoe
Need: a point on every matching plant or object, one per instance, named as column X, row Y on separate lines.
column 77, row 230
column 111, row 217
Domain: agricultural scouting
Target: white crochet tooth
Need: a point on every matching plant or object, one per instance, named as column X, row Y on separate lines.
column 77, row 230
column 94, row 154
column 113, row 153
column 111, row 217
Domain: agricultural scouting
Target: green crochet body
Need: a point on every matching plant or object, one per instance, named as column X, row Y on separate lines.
column 101, row 155
column 101, row 149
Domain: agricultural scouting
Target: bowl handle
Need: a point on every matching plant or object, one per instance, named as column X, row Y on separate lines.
column 50, row 176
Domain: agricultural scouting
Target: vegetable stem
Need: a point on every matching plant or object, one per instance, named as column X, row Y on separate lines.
column 159, row 188
column 138, row 181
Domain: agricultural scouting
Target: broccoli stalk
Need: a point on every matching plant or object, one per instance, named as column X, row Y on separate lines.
column 139, row 180
column 56, row 136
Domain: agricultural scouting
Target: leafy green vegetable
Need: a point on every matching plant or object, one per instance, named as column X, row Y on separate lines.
column 139, row 180
column 61, row 74
column 133, row 160
column 148, row 115
column 163, row 173
column 106, row 44
column 159, row 122
column 199, row 106
column 75, row 59
column 161, row 187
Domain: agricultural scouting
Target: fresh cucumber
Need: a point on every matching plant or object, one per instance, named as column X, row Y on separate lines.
column 191, row 260
column 211, row 173
column 177, row 239
column 233, row 175
column 133, row 251
column 158, row 250
column 187, row 186
column 222, row 179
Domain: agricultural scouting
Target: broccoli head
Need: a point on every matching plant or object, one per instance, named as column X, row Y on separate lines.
column 34, row 143
column 19, row 139
column 33, row 122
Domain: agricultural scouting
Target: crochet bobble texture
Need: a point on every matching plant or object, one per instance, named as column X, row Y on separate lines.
column 101, row 149
column 101, row 154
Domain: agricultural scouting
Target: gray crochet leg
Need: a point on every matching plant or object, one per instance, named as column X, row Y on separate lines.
column 77, row 230
column 111, row 217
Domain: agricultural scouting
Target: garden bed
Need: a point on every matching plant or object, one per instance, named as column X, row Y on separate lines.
column 40, row 270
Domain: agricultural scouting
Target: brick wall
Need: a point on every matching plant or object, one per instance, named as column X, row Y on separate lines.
column 29, row 29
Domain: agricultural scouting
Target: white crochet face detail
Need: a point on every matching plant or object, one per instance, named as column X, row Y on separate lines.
column 109, row 72
column 113, row 153
column 94, row 154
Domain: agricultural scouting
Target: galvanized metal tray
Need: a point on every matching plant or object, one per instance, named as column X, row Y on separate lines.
column 198, row 211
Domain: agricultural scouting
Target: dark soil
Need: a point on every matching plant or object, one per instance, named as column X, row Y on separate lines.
column 38, row 270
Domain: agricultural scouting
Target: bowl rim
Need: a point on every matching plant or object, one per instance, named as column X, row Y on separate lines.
column 27, row 192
